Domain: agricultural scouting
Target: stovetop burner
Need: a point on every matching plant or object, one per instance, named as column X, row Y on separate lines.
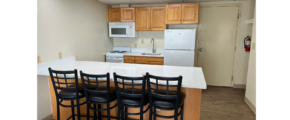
column 118, row 51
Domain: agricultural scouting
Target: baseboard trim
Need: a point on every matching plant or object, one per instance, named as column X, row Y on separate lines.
column 243, row 86
column 250, row 104
column 49, row 117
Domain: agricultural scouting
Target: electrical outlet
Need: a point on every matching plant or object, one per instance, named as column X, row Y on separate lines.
column 59, row 55
column 38, row 59
column 135, row 45
column 142, row 41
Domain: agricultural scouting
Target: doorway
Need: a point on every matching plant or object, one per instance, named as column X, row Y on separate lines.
column 216, row 42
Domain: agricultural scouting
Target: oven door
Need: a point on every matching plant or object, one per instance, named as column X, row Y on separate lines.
column 118, row 31
column 115, row 60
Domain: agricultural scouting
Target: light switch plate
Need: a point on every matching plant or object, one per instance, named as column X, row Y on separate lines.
column 38, row 59
column 254, row 46
column 59, row 55
column 142, row 41
column 135, row 45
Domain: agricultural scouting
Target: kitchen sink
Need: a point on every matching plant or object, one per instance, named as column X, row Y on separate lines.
column 150, row 53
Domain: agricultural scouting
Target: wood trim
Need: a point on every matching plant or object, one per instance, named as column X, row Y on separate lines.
column 250, row 104
column 242, row 86
column 49, row 117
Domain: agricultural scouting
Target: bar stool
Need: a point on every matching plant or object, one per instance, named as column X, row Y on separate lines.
column 130, row 94
column 67, row 90
column 97, row 93
column 165, row 96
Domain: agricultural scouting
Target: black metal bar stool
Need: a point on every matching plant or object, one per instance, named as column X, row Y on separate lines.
column 97, row 93
column 164, row 94
column 130, row 94
column 67, row 90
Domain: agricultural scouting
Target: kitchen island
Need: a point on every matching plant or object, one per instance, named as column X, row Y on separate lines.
column 192, row 84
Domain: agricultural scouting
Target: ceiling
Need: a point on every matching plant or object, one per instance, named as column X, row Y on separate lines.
column 115, row 2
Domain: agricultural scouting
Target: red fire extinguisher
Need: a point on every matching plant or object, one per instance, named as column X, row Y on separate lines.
column 247, row 43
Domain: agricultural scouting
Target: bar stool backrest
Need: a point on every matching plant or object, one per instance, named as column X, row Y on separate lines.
column 96, row 84
column 64, row 80
column 132, row 87
column 167, row 88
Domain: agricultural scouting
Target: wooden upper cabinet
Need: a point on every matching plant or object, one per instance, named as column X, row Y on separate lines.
column 158, row 18
column 114, row 15
column 190, row 13
column 173, row 14
column 127, row 14
column 142, row 18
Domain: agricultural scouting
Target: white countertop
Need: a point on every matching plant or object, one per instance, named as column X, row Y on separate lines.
column 192, row 76
column 139, row 51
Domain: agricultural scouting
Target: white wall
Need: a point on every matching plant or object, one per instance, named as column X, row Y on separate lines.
column 43, row 98
column 242, row 57
column 251, row 78
column 74, row 27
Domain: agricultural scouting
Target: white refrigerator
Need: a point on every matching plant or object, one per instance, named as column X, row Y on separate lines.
column 179, row 45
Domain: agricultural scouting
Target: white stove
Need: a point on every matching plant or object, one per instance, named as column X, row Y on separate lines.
column 117, row 55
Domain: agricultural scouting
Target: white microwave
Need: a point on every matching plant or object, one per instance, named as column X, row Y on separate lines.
column 122, row 29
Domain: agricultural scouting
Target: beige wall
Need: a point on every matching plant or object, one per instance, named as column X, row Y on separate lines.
column 251, row 78
column 74, row 27
column 242, row 57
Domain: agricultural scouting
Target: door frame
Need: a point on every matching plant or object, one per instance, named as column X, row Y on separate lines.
column 239, row 5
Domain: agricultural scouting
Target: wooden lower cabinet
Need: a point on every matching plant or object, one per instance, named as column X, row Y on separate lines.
column 129, row 61
column 141, row 62
column 155, row 63
column 144, row 60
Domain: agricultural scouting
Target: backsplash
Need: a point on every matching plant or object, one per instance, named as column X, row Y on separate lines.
column 146, row 36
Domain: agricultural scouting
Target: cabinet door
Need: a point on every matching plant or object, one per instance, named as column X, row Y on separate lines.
column 127, row 14
column 128, row 61
column 190, row 13
column 141, row 62
column 142, row 18
column 114, row 15
column 173, row 14
column 155, row 63
column 158, row 18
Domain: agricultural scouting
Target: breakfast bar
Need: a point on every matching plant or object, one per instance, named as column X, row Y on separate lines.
column 192, row 84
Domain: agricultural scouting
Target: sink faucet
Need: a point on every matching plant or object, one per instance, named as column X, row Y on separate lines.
column 153, row 50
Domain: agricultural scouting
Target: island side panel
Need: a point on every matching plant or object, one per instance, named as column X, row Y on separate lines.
column 191, row 106
column 192, row 103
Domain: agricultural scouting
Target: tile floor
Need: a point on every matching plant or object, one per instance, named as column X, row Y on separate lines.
column 224, row 103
